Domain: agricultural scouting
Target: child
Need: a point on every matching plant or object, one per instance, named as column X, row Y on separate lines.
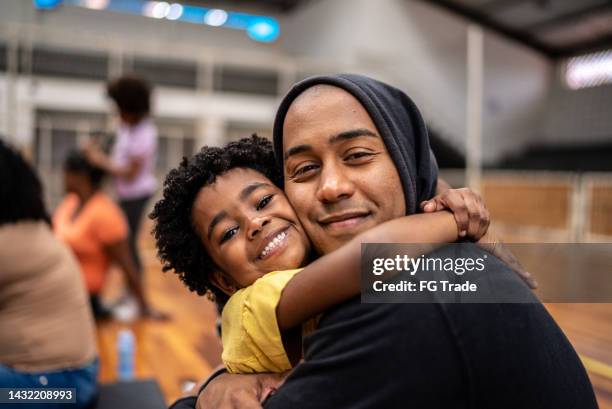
column 254, row 248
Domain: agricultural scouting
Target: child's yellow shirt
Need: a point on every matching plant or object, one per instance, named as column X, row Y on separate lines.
column 251, row 338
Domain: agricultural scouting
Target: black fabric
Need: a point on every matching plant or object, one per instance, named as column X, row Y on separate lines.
column 133, row 210
column 100, row 312
column 450, row 356
column 398, row 121
column 478, row 356
column 131, row 395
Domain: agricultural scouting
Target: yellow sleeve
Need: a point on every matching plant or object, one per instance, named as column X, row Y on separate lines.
column 251, row 339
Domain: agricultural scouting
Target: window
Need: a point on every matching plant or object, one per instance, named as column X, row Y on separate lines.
column 2, row 57
column 176, row 138
column 68, row 63
column 239, row 130
column 170, row 73
column 64, row 127
column 246, row 80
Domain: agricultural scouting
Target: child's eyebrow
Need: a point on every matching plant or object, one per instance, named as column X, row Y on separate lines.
column 250, row 188
column 244, row 193
column 218, row 217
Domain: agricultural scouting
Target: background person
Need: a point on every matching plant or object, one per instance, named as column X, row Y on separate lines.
column 95, row 229
column 134, row 152
column 46, row 328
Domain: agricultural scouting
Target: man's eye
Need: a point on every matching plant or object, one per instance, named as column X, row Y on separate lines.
column 304, row 170
column 229, row 233
column 358, row 155
column 263, row 202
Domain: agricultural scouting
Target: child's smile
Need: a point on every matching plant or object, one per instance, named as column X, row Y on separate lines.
column 274, row 242
column 248, row 227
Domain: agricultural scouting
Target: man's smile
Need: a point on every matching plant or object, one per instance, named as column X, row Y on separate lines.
column 344, row 220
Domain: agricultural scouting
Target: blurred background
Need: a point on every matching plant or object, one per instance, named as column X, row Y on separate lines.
column 517, row 95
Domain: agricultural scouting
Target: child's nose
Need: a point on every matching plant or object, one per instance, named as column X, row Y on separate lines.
column 257, row 225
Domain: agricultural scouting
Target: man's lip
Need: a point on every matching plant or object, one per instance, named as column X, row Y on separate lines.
column 339, row 217
column 268, row 238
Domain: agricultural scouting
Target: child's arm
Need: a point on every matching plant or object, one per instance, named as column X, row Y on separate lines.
column 335, row 277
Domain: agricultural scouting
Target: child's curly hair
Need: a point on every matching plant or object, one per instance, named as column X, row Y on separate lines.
column 178, row 244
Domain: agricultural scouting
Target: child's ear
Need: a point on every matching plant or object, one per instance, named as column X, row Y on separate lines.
column 223, row 282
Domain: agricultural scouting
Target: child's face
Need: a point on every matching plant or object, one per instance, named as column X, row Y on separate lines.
column 248, row 227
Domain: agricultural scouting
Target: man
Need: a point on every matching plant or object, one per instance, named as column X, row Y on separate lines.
column 355, row 153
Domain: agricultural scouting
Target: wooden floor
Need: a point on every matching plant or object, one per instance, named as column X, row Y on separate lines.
column 184, row 348
column 589, row 329
column 187, row 348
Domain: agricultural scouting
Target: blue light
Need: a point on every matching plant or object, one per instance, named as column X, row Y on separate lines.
column 193, row 14
column 239, row 21
column 264, row 29
column 46, row 4
column 259, row 28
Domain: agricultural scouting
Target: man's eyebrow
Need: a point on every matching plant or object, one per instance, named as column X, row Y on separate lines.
column 354, row 133
column 342, row 136
column 297, row 149
column 218, row 217
column 250, row 188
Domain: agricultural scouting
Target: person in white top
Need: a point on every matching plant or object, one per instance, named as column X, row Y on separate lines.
column 133, row 156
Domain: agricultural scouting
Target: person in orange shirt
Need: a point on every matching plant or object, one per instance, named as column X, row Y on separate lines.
column 95, row 229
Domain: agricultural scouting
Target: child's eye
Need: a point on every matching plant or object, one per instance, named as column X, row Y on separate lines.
column 263, row 202
column 228, row 234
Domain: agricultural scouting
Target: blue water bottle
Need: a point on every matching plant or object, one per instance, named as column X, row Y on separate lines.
column 125, row 351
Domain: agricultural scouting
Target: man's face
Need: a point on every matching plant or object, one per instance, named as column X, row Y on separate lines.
column 339, row 176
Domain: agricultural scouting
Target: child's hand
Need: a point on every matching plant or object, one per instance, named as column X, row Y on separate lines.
column 237, row 391
column 491, row 243
column 470, row 212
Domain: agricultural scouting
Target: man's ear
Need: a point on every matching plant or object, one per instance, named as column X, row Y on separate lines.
column 223, row 282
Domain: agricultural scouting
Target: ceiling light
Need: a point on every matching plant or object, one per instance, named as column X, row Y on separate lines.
column 589, row 70
column 160, row 10
column 175, row 11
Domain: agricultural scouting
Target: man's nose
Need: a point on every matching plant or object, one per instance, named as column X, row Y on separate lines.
column 334, row 185
column 256, row 225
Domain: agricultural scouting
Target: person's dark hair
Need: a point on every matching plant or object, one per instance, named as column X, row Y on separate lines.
column 178, row 244
column 20, row 189
column 77, row 162
column 131, row 94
